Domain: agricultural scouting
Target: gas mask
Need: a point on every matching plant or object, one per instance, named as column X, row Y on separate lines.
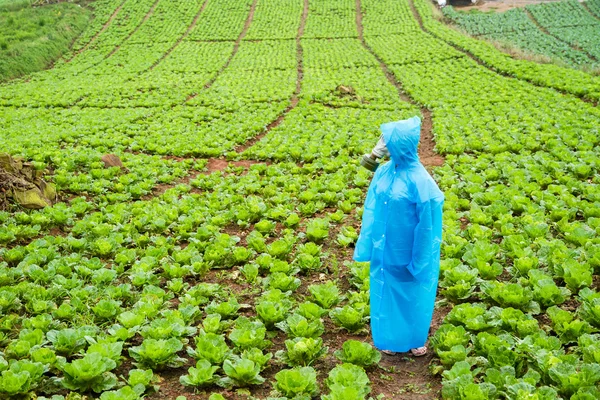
column 370, row 161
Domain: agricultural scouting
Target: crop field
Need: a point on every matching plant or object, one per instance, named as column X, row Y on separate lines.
column 216, row 262
column 565, row 31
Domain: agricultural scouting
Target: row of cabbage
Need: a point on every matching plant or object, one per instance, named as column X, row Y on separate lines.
column 594, row 7
column 165, row 283
column 567, row 80
column 521, row 224
column 79, row 301
column 516, row 28
column 166, row 74
column 571, row 23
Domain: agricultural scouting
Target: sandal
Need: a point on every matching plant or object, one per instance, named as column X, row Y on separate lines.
column 389, row 353
column 419, row 351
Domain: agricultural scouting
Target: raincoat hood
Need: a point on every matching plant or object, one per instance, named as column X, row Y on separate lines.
column 401, row 139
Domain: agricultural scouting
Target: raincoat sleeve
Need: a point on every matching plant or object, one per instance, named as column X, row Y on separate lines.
column 364, row 244
column 423, row 252
column 380, row 150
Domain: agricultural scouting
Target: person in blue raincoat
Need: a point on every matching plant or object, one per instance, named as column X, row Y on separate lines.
column 401, row 234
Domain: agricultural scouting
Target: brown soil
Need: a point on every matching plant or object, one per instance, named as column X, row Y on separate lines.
column 187, row 32
column 251, row 142
column 497, row 5
column 148, row 15
column 218, row 164
column 161, row 188
column 104, row 27
column 571, row 304
column 214, row 165
column 427, row 154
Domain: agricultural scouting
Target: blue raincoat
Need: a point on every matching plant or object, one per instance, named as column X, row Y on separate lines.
column 401, row 235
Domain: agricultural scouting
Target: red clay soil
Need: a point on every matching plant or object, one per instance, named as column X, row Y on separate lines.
column 161, row 188
column 427, row 154
column 214, row 165
column 219, row 164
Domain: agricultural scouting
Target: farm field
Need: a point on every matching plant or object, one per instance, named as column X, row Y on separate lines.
column 565, row 32
column 216, row 261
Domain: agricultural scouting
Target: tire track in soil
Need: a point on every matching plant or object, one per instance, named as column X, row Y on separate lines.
column 295, row 97
column 187, row 32
column 545, row 31
column 104, row 27
column 417, row 16
column 236, row 46
column 427, row 154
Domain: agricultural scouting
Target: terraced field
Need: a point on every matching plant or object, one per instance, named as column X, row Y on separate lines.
column 565, row 31
column 216, row 262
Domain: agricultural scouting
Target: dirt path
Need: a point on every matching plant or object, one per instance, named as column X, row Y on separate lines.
column 427, row 154
column 187, row 32
column 495, row 5
column 104, row 27
column 295, row 97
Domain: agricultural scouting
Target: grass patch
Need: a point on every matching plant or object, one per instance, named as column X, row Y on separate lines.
column 32, row 38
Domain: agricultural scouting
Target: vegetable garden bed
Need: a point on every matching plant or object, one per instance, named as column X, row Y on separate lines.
column 217, row 259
